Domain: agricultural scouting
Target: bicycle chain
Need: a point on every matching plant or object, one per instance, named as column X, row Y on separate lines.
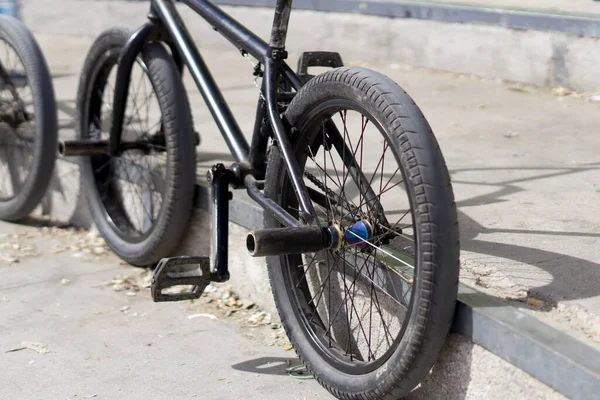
column 332, row 195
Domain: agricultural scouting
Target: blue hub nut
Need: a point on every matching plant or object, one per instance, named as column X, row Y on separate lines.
column 358, row 234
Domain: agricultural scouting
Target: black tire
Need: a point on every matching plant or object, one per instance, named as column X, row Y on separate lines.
column 44, row 135
column 436, row 247
column 109, row 213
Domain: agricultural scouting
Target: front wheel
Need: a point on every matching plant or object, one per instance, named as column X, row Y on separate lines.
column 369, row 318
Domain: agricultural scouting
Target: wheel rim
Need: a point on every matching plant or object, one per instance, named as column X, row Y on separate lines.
column 132, row 184
column 18, row 130
column 325, row 290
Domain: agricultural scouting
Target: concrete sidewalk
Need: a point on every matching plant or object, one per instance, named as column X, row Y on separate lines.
column 523, row 162
column 524, row 169
column 91, row 341
column 75, row 323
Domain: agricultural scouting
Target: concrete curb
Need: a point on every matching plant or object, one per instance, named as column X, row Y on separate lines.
column 566, row 364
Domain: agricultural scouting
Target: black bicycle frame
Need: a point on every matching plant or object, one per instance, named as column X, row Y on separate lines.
column 164, row 19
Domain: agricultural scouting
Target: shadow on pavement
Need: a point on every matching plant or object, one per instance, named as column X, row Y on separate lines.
column 452, row 368
column 566, row 270
column 267, row 365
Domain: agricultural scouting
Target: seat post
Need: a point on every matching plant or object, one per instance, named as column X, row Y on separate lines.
column 280, row 24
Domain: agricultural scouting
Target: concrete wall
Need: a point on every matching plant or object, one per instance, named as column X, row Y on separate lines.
column 542, row 58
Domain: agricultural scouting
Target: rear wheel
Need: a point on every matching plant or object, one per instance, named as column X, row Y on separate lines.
column 370, row 317
column 28, row 122
column 141, row 198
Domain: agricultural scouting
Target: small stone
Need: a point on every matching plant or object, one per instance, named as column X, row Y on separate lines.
column 209, row 289
column 124, row 308
column 41, row 348
column 511, row 135
column 531, row 301
column 267, row 319
column 257, row 318
column 8, row 259
column 287, row 347
column 561, row 91
column 517, row 88
column 130, row 293
column 64, row 281
column 99, row 250
column 202, row 315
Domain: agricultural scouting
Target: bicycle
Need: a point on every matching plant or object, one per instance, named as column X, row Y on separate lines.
column 28, row 121
column 336, row 258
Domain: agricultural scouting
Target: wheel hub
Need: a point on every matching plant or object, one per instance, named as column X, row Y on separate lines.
column 357, row 234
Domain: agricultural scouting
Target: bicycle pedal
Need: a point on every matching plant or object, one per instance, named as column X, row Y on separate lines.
column 180, row 271
column 308, row 59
